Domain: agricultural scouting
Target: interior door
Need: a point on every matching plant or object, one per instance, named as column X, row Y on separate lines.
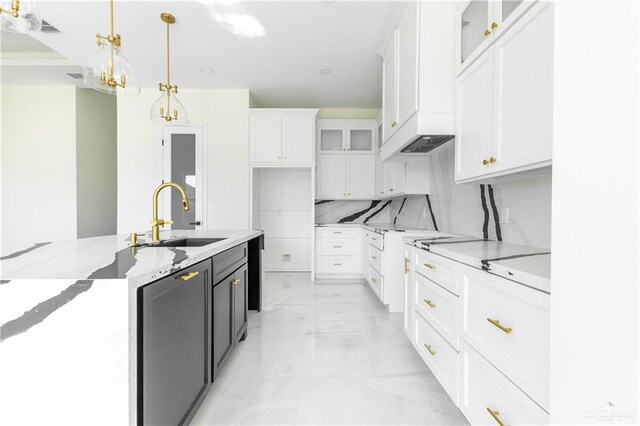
column 183, row 164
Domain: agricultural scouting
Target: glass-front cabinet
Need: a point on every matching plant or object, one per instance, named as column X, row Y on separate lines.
column 346, row 135
column 480, row 22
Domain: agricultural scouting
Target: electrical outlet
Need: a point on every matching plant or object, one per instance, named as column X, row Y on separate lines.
column 504, row 215
column 286, row 258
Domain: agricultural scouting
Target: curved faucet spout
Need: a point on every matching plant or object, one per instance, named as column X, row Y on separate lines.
column 155, row 222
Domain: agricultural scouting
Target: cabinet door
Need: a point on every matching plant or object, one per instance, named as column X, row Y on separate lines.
column 298, row 137
column 399, row 178
column 473, row 31
column 266, row 139
column 361, row 172
column 389, row 91
column 361, row 136
column 409, row 291
column 523, row 112
column 331, row 136
column 240, row 303
column 408, row 62
column 222, row 314
column 506, row 13
column 381, row 172
column 331, row 180
column 174, row 327
column 474, row 113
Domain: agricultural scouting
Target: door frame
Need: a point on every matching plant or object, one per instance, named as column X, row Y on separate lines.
column 201, row 170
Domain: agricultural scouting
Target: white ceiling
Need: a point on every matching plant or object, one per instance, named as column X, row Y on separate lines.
column 280, row 68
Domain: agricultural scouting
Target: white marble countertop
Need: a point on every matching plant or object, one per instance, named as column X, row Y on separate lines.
column 376, row 227
column 110, row 257
column 527, row 265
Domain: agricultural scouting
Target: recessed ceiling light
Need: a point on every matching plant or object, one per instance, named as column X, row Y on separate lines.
column 325, row 71
column 207, row 70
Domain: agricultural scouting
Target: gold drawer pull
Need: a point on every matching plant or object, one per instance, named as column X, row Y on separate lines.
column 235, row 282
column 337, row 264
column 430, row 265
column 431, row 351
column 188, row 276
column 337, row 232
column 374, row 280
column 430, row 303
column 373, row 257
column 496, row 416
column 507, row 330
column 406, row 265
column 337, row 246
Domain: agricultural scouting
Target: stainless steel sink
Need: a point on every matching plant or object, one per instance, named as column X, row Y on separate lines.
column 188, row 242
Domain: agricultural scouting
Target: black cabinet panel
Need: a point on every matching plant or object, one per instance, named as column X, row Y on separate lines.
column 223, row 337
column 240, row 303
column 228, row 261
column 174, row 330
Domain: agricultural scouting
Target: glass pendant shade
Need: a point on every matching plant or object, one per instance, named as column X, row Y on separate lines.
column 167, row 109
column 29, row 19
column 108, row 71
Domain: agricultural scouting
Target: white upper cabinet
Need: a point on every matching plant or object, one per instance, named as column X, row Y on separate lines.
column 474, row 128
column 407, row 35
column 390, row 88
column 346, row 135
column 505, row 101
column 480, row 22
column 282, row 136
column 346, row 161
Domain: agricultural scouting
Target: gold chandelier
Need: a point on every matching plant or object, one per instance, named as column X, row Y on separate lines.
column 108, row 71
column 21, row 17
column 167, row 108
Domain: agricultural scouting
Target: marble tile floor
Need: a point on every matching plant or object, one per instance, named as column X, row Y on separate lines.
column 325, row 354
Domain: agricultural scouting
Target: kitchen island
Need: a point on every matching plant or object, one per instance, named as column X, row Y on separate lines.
column 71, row 327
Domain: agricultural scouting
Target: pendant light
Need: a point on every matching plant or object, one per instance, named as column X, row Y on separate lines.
column 20, row 16
column 108, row 71
column 167, row 108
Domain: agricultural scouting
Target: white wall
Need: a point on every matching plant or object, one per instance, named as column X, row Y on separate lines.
column 38, row 193
column 96, row 179
column 224, row 114
column 595, row 257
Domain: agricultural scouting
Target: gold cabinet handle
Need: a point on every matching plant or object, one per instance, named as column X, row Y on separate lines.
column 337, row 232
column 492, row 160
column 373, row 257
column 430, row 303
column 430, row 265
column 485, row 162
column 337, row 264
column 374, row 280
column 431, row 351
column 188, row 276
column 393, row 125
column 494, row 25
column 406, row 265
column 235, row 282
column 337, row 246
column 496, row 416
column 507, row 330
column 487, row 32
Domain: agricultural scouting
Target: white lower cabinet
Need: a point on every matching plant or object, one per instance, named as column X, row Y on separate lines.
column 484, row 337
column 488, row 397
column 439, row 356
column 338, row 252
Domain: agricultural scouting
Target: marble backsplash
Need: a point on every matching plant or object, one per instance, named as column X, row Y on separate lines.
column 468, row 209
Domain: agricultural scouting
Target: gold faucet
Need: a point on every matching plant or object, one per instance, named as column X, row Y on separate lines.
column 155, row 222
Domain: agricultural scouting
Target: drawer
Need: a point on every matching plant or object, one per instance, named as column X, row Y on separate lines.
column 508, row 324
column 439, row 269
column 335, row 233
column 376, row 240
column 376, row 282
column 438, row 306
column 337, row 265
column 375, row 259
column 483, row 388
column 338, row 247
column 225, row 263
column 440, row 357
